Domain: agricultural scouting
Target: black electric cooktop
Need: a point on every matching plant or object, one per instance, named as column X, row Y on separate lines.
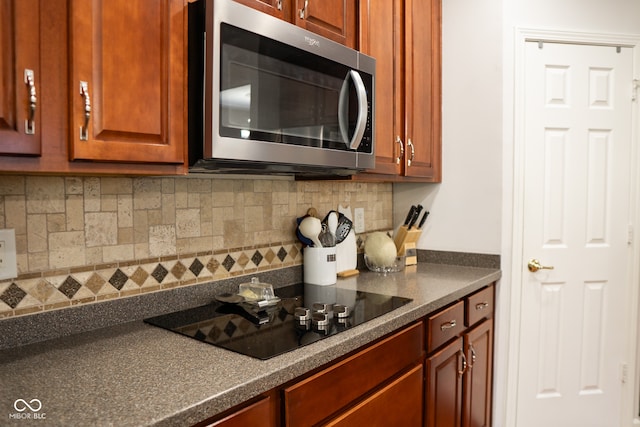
column 304, row 314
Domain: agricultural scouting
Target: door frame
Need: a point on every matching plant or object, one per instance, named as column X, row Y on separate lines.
column 509, row 298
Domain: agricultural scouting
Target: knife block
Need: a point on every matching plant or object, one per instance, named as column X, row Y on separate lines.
column 405, row 241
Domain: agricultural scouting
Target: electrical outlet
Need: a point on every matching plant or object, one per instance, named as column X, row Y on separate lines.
column 358, row 221
column 8, row 263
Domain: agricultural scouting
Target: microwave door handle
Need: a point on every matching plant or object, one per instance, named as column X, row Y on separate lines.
column 343, row 113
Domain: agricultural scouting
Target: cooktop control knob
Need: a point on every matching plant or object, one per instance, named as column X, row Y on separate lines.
column 341, row 311
column 322, row 321
column 302, row 314
column 322, row 307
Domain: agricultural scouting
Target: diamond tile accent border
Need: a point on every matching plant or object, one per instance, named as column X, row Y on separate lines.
column 59, row 289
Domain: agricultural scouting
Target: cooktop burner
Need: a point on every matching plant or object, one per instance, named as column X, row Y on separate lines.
column 304, row 314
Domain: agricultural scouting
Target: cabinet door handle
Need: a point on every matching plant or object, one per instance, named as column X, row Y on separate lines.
column 482, row 305
column 84, row 92
column 473, row 356
column 464, row 363
column 29, row 123
column 401, row 155
column 448, row 325
column 303, row 11
column 413, row 152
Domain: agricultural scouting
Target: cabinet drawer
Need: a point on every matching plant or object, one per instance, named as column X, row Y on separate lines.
column 317, row 397
column 479, row 306
column 397, row 404
column 445, row 325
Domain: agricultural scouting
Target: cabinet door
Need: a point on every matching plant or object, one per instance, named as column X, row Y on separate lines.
column 478, row 377
column 278, row 8
column 443, row 407
column 378, row 18
column 423, row 89
column 397, row 404
column 128, row 80
column 333, row 19
column 20, row 77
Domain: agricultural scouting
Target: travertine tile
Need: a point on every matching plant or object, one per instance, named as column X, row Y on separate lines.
column 74, row 213
column 12, row 185
column 92, row 195
column 15, row 213
column 37, row 236
column 162, row 240
column 45, row 194
column 101, row 228
column 66, row 249
column 187, row 223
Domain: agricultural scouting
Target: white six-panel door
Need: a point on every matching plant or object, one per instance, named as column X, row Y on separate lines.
column 576, row 220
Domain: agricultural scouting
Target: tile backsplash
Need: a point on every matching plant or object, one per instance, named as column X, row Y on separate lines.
column 85, row 239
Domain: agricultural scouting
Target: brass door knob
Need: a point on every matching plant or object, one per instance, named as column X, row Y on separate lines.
column 534, row 265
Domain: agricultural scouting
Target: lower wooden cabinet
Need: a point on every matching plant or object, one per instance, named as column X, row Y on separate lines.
column 478, row 344
column 443, row 396
column 398, row 404
column 459, row 373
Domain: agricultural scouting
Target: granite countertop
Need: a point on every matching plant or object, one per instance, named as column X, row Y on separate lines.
column 134, row 374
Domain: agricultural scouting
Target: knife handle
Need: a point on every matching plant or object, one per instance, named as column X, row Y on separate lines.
column 409, row 215
column 423, row 220
column 416, row 214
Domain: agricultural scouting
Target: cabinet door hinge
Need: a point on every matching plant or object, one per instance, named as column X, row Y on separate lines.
column 630, row 234
column 624, row 373
column 635, row 83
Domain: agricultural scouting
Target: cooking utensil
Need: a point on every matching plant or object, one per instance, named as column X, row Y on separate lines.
column 305, row 241
column 347, row 247
column 329, row 226
column 311, row 227
column 344, row 227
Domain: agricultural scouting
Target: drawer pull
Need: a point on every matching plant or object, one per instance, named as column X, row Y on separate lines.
column 482, row 305
column 448, row 325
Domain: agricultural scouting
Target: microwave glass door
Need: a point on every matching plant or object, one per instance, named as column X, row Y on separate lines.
column 278, row 93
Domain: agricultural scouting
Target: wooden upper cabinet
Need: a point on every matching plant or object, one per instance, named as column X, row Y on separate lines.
column 378, row 39
column 422, row 89
column 20, row 130
column 404, row 37
column 127, row 85
column 333, row 19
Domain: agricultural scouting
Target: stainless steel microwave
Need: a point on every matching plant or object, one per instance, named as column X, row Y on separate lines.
column 268, row 96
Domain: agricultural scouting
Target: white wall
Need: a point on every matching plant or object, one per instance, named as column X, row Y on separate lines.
column 466, row 207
